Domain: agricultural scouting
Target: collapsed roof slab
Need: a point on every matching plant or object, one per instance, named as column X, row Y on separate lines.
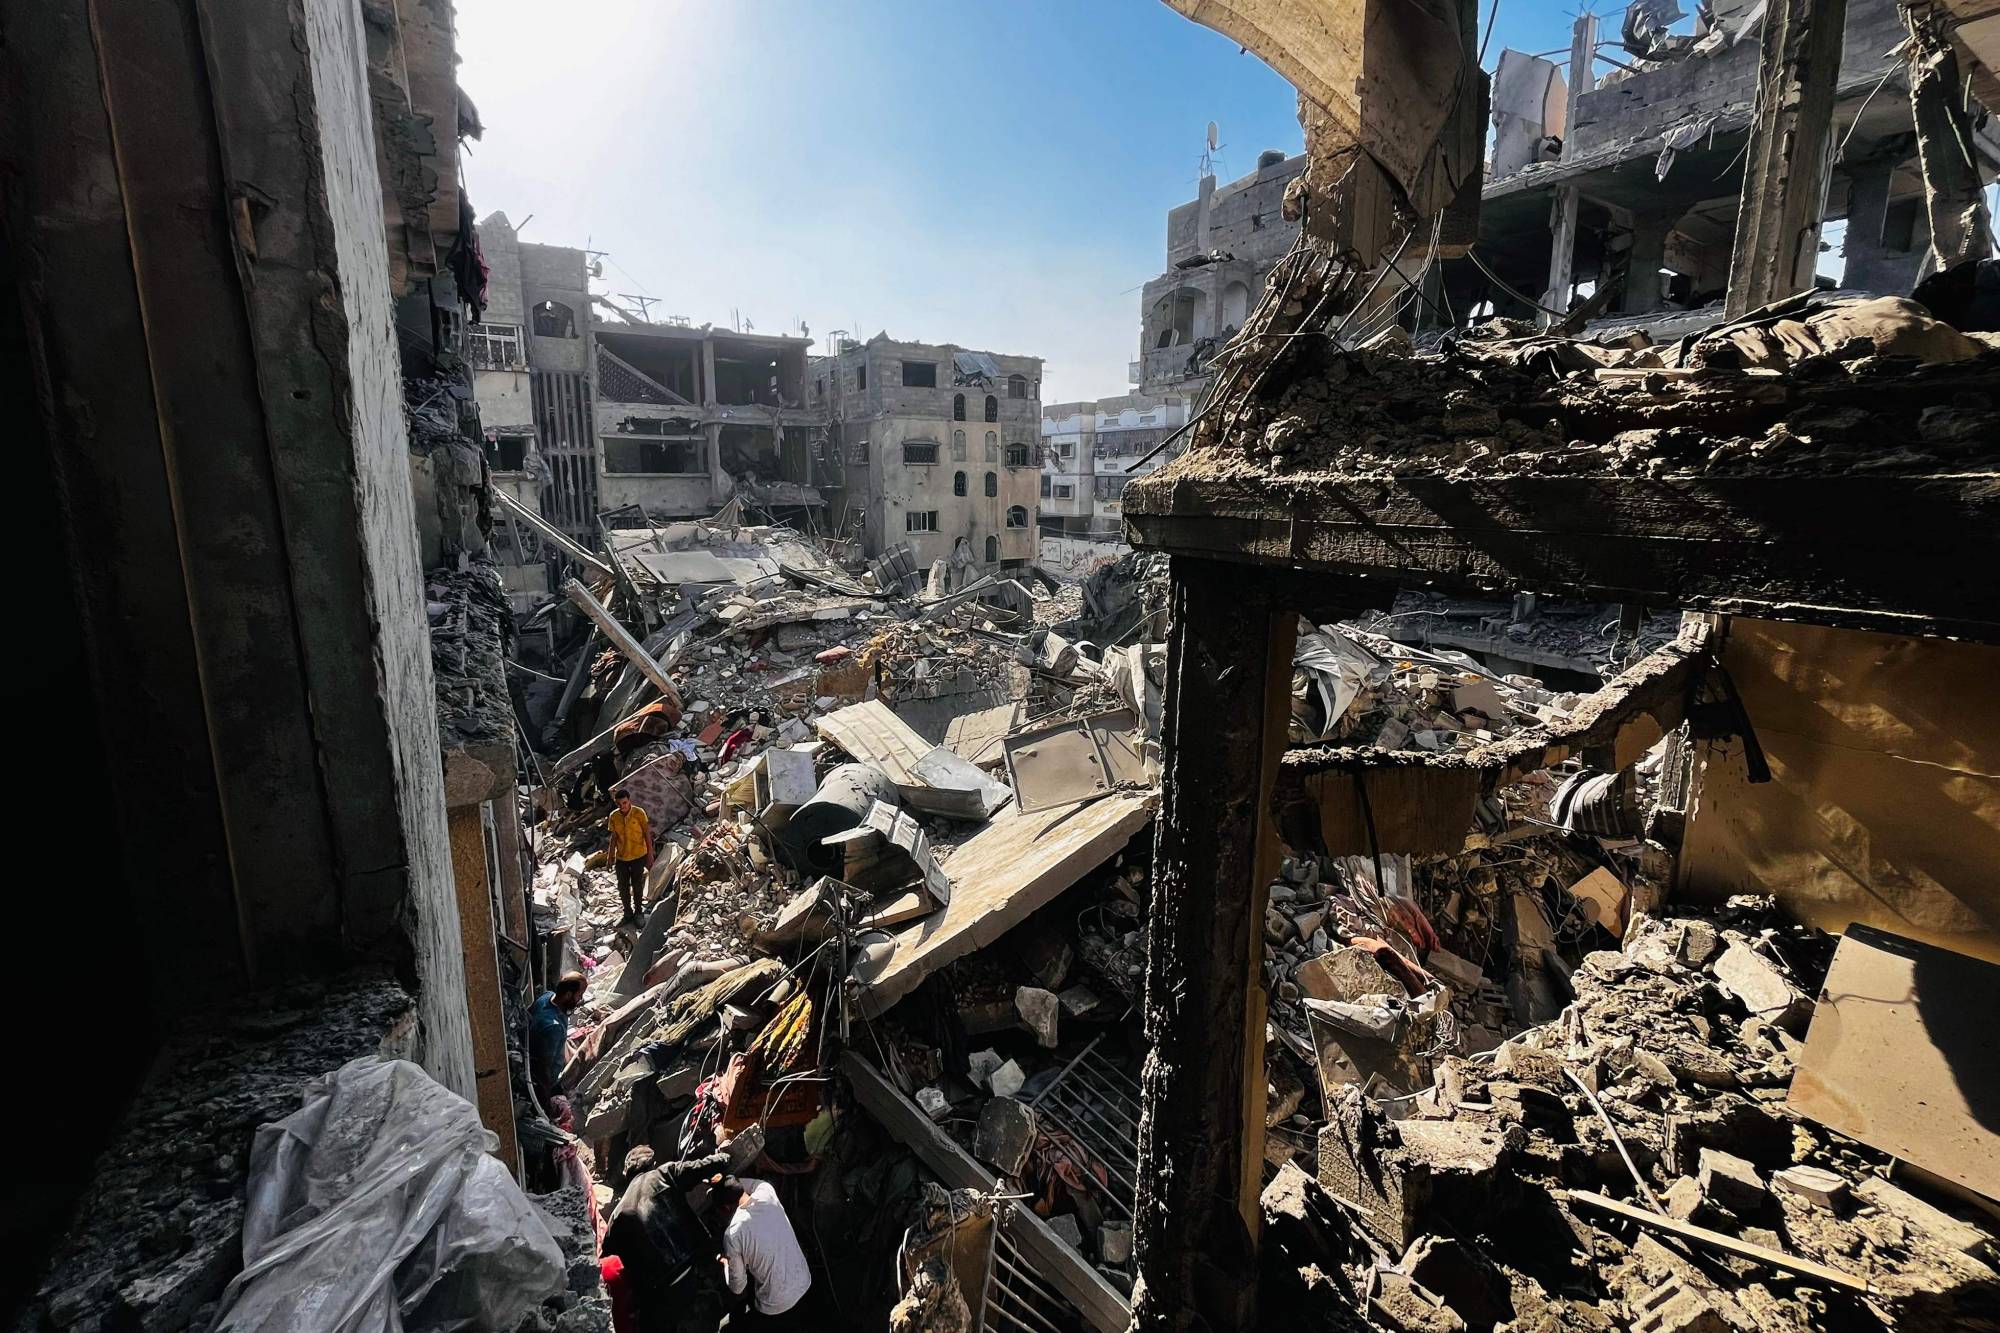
column 999, row 876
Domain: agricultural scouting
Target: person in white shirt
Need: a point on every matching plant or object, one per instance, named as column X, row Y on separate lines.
column 760, row 1249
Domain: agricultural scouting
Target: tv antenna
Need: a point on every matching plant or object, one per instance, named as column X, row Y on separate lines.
column 1209, row 150
column 645, row 304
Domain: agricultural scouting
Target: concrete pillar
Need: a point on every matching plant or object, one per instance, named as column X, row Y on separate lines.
column 708, row 394
column 1791, row 143
column 195, row 195
column 474, row 783
column 1642, row 273
column 1871, row 265
column 1201, row 1137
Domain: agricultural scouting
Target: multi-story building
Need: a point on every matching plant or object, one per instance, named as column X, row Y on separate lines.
column 935, row 446
column 688, row 418
column 1086, row 450
column 530, row 351
column 1220, row 247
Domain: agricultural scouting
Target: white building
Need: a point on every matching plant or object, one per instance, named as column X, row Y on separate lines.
column 1087, row 448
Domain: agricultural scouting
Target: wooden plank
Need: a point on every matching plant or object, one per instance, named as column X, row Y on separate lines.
column 622, row 640
column 1778, row 1259
column 1905, row 554
column 514, row 508
column 1899, row 1055
column 998, row 876
column 1055, row 1263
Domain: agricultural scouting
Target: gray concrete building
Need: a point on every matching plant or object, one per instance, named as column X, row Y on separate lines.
column 1221, row 245
column 530, row 352
column 933, row 445
column 687, row 418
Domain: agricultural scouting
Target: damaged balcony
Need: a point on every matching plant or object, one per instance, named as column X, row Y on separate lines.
column 689, row 418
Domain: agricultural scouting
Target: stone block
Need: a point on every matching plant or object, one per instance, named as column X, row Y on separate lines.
column 1397, row 1172
column 1819, row 1187
column 1728, row 1181
column 1762, row 989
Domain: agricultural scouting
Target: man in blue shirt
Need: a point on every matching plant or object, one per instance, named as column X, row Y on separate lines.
column 548, row 1034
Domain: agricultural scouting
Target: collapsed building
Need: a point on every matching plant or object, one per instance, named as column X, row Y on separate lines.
column 1318, row 909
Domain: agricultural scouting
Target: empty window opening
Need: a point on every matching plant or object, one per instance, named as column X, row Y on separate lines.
column 1235, row 305
column 958, row 407
column 1017, row 386
column 920, row 520
column 507, row 453
column 992, row 549
column 493, row 346
column 920, row 451
column 993, row 483
column 1045, row 485
column 756, row 373
column 1017, row 455
column 992, row 408
column 992, row 447
column 1065, row 492
column 958, row 483
column 860, row 378
column 553, row 319
column 958, row 446
column 637, row 368
column 920, row 374
column 685, row 456
column 1017, row 516
column 1180, row 316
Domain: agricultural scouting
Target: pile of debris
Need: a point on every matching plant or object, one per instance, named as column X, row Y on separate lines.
column 1803, row 385
column 1633, row 1164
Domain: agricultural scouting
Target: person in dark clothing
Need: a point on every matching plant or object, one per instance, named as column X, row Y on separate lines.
column 656, row 1228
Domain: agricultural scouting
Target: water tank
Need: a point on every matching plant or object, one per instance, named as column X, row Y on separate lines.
column 841, row 803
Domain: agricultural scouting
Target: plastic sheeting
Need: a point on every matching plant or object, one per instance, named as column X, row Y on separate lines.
column 377, row 1208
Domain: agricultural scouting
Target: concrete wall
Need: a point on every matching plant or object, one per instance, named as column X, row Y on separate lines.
column 557, row 273
column 259, row 643
column 1884, row 804
column 1245, row 217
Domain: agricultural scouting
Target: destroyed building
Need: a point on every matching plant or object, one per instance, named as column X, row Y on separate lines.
column 934, row 447
column 688, row 418
column 530, row 356
column 1221, row 247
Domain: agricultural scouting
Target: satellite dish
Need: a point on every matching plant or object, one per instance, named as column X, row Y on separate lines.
column 1212, row 145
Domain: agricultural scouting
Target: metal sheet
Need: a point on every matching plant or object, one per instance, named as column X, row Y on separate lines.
column 1074, row 761
column 874, row 735
column 1900, row 1055
column 954, row 788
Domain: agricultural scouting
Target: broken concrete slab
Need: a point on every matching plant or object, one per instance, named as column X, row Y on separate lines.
column 1818, row 1187
column 1040, row 1011
column 1949, row 1232
column 1005, row 1134
column 1396, row 1172
column 1899, row 1055
column 1758, row 984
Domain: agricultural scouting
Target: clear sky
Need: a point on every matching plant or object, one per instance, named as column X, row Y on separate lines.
column 993, row 175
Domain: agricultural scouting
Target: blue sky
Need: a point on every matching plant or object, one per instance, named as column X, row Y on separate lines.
column 994, row 175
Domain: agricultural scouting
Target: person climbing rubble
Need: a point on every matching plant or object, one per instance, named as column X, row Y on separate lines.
column 548, row 1034
column 761, row 1257
column 631, row 852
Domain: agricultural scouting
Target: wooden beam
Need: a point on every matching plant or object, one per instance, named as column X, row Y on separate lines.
column 1762, row 1254
column 1905, row 554
column 1229, row 653
column 1790, row 153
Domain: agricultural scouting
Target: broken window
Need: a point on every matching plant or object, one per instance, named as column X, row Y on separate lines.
column 553, row 319
column 1017, row 386
column 1017, row 516
column 993, row 483
column 958, row 407
column 992, row 408
column 958, row 483
column 920, row 520
column 493, row 346
column 507, row 453
column 1017, row 455
column 958, row 446
column 992, row 447
column 686, row 456
column 920, row 374
column 992, row 549
column 920, row 451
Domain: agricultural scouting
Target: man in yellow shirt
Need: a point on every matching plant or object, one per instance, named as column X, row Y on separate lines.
column 631, row 852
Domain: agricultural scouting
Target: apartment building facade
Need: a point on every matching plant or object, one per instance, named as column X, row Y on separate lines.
column 933, row 445
column 1092, row 450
